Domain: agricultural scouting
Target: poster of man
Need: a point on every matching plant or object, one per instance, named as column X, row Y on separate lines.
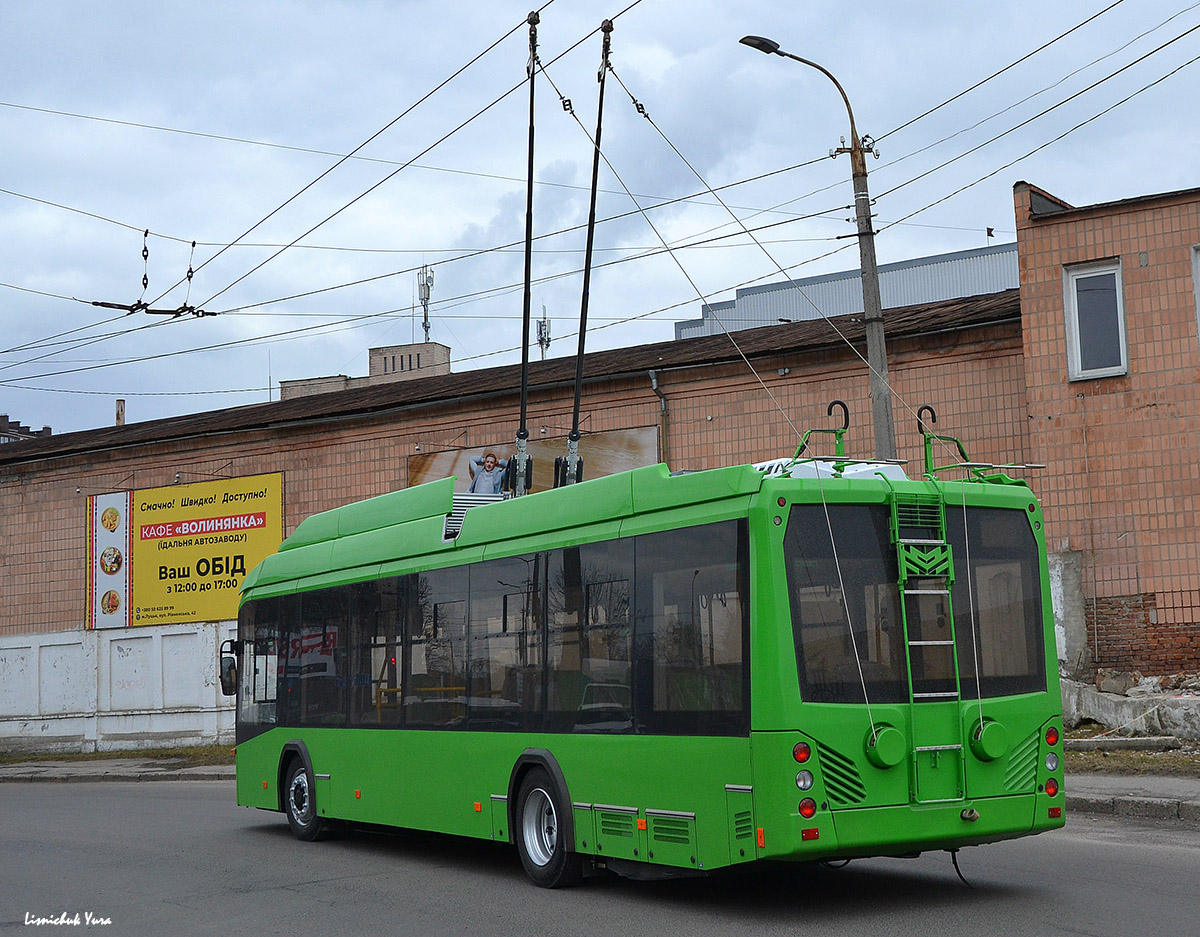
column 487, row 474
column 603, row 453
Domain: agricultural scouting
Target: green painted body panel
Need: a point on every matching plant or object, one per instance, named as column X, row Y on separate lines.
column 702, row 798
column 288, row 567
column 393, row 778
column 601, row 499
column 571, row 537
column 396, row 541
column 655, row 488
column 318, row 528
column 407, row 504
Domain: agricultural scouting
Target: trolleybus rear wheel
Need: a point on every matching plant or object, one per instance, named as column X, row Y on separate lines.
column 300, row 804
column 540, row 809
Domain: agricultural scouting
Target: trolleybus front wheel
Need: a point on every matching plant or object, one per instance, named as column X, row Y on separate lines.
column 300, row 804
column 540, row 809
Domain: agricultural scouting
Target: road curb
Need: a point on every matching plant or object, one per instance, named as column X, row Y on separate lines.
column 1136, row 808
column 1153, row 808
column 1090, row 803
column 1146, row 743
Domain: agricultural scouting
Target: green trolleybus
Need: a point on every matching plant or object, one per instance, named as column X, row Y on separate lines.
column 661, row 674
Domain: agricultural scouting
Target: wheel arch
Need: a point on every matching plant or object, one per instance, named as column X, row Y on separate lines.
column 294, row 748
column 542, row 758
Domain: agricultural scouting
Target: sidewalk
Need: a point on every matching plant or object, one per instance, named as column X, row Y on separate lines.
column 115, row 769
column 1138, row 796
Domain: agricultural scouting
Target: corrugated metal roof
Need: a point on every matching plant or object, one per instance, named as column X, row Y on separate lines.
column 905, row 283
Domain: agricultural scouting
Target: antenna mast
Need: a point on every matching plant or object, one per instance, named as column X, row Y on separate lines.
column 569, row 470
column 543, row 331
column 424, row 288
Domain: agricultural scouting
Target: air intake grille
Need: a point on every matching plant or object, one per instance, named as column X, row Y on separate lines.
column 669, row 830
column 1021, row 773
column 615, row 824
column 743, row 825
column 919, row 517
column 843, row 783
column 463, row 502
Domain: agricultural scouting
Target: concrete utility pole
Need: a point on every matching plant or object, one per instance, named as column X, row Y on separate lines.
column 881, row 398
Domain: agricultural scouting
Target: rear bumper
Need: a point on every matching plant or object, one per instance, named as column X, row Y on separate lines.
column 911, row 828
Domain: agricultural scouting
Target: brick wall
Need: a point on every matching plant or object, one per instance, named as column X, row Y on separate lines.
column 1123, row 487
column 716, row 415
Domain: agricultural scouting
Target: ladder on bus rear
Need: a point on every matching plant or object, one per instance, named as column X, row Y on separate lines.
column 926, row 578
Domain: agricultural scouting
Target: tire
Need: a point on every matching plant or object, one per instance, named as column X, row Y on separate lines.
column 300, row 805
column 540, row 809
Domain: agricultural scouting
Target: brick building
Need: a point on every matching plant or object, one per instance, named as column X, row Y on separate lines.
column 385, row 364
column 12, row 431
column 64, row 686
column 1109, row 312
column 1108, row 414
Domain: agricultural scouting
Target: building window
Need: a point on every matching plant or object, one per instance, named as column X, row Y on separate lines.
column 1095, row 321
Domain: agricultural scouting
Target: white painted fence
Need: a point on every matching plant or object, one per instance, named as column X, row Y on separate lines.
column 105, row 690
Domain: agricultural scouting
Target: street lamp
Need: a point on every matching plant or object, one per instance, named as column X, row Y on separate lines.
column 881, row 402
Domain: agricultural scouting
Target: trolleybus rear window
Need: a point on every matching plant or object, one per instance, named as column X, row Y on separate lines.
column 845, row 603
column 1005, row 632
column 849, row 634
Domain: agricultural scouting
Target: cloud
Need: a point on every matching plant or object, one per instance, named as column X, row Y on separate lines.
column 327, row 75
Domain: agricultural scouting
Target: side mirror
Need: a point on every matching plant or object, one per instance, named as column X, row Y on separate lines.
column 229, row 675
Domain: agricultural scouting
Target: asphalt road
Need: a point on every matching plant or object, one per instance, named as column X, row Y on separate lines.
column 181, row 858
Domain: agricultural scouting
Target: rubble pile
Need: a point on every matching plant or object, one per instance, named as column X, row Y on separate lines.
column 1131, row 704
column 1133, row 683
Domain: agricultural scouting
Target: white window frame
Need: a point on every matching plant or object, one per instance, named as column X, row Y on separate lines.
column 1071, row 275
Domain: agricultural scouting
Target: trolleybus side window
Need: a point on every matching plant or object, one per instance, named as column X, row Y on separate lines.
column 313, row 660
column 589, row 638
column 505, row 651
column 538, row 642
column 829, row 624
column 261, row 626
column 437, row 651
column 1006, row 587
column 375, row 652
column 692, row 627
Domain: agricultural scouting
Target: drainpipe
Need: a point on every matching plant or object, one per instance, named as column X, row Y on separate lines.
column 663, row 416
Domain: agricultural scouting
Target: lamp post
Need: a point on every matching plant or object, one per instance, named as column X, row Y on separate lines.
column 881, row 402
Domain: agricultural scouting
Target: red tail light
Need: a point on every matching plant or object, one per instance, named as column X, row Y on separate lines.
column 1052, row 736
column 1052, row 787
column 808, row 808
column 801, row 752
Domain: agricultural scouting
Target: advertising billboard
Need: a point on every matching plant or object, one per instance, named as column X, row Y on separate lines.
column 110, row 549
column 158, row 556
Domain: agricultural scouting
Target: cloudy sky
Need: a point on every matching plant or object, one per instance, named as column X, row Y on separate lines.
column 226, row 123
